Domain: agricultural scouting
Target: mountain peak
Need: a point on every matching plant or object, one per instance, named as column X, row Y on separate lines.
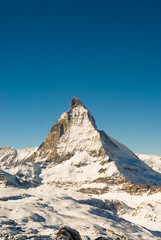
column 75, row 102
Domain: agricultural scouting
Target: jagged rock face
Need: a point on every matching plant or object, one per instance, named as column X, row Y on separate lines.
column 75, row 102
column 48, row 149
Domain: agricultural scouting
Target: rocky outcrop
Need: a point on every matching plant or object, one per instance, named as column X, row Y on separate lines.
column 68, row 233
column 48, row 149
column 102, row 238
column 3, row 179
column 8, row 179
column 75, row 102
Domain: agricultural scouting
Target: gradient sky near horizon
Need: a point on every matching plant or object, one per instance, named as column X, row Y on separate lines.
column 106, row 52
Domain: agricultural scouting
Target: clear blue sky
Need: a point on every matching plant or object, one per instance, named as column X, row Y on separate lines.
column 107, row 53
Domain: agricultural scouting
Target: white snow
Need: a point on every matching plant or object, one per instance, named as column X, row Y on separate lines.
column 80, row 134
column 153, row 161
column 9, row 156
column 43, row 210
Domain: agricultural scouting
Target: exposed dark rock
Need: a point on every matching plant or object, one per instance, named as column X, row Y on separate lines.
column 155, row 189
column 68, row 233
column 8, row 179
column 15, row 197
column 48, row 149
column 3, row 178
column 76, row 102
column 102, row 238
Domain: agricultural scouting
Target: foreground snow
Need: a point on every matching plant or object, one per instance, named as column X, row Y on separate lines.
column 38, row 213
column 42, row 211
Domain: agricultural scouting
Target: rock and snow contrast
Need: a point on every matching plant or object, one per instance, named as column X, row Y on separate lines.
column 82, row 178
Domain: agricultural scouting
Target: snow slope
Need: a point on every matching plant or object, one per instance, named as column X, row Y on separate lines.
column 152, row 161
column 39, row 213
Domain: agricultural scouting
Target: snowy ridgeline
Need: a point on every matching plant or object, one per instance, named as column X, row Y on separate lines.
column 9, row 156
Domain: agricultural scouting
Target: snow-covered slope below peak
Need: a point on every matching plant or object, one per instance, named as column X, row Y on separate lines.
column 128, row 164
column 81, row 136
column 153, row 161
column 91, row 175
column 82, row 173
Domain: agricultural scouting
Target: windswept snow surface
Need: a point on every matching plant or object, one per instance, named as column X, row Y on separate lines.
column 42, row 211
column 38, row 213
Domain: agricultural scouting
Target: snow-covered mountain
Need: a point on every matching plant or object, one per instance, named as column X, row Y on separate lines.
column 81, row 177
column 91, row 160
column 10, row 156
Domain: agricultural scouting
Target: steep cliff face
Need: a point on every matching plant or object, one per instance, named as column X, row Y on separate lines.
column 48, row 149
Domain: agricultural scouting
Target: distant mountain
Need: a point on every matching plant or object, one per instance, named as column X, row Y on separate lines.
column 10, row 156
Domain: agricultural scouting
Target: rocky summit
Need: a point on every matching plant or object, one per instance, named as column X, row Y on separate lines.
column 80, row 183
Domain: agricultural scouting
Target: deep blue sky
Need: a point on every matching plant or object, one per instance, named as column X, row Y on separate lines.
column 107, row 53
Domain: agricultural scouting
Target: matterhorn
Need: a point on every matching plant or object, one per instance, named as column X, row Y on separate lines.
column 80, row 177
